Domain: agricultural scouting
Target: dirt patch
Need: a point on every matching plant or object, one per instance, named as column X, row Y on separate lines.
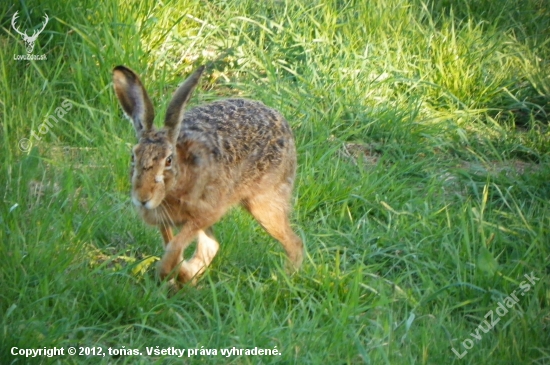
column 369, row 154
column 512, row 167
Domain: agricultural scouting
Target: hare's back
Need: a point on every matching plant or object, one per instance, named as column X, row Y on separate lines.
column 237, row 130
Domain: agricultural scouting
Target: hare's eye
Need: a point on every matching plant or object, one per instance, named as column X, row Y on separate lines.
column 133, row 158
column 168, row 162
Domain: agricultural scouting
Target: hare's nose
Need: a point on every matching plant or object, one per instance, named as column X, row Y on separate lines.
column 140, row 202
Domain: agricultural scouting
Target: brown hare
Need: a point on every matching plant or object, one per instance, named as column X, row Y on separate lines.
column 203, row 162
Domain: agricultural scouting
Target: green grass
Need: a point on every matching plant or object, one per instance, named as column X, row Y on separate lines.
column 422, row 194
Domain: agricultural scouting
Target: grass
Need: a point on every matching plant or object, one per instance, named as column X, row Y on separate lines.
column 422, row 192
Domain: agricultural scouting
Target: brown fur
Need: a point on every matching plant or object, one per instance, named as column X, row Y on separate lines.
column 229, row 152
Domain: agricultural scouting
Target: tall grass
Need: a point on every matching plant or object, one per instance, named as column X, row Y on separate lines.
column 422, row 192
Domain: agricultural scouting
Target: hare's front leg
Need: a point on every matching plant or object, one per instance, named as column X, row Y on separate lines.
column 207, row 247
column 166, row 232
column 173, row 249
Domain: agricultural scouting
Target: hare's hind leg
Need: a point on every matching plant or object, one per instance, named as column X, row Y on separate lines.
column 271, row 209
column 207, row 247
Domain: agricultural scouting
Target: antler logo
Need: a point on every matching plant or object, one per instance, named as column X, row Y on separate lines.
column 29, row 41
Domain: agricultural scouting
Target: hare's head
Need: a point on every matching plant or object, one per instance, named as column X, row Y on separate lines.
column 156, row 158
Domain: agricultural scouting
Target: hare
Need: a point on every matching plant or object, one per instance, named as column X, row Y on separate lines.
column 203, row 162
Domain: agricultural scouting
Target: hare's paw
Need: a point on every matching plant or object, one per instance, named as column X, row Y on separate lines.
column 294, row 263
column 190, row 271
column 164, row 271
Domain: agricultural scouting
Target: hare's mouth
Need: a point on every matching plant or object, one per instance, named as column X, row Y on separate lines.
column 149, row 204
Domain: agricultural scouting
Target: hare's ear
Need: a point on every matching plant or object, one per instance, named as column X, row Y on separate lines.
column 133, row 98
column 174, row 113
